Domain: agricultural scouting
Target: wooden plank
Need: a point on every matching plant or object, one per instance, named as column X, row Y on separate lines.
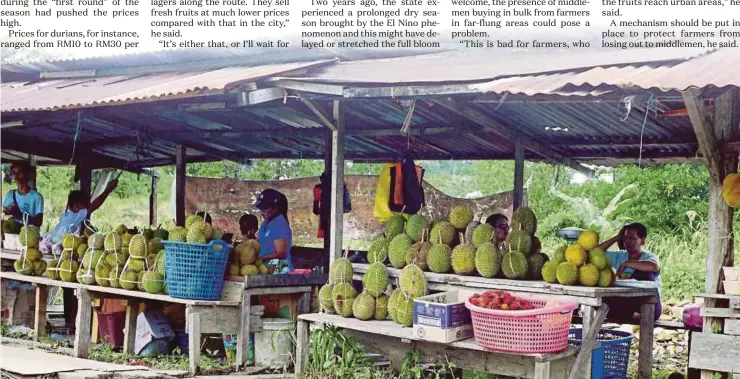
column 542, row 370
column 129, row 331
column 313, row 279
column 392, row 329
column 42, row 280
column 82, row 323
column 583, row 360
column 232, row 291
column 39, row 320
column 732, row 327
column 720, row 296
column 720, row 312
column 193, row 321
column 518, row 173
column 224, row 319
column 336, row 214
column 645, row 358
column 704, row 131
column 303, row 349
column 715, row 352
column 158, row 297
column 277, row 291
column 244, row 324
column 589, row 315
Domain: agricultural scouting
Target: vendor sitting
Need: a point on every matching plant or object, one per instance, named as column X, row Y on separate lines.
column 632, row 262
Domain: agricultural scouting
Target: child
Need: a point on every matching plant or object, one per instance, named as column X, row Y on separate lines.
column 248, row 226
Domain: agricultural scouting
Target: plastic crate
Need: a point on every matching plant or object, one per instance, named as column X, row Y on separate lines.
column 196, row 271
column 609, row 361
column 538, row 331
column 110, row 327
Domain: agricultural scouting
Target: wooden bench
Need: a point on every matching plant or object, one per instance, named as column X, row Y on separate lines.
column 393, row 341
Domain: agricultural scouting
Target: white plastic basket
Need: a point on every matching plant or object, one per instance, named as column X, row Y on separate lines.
column 12, row 241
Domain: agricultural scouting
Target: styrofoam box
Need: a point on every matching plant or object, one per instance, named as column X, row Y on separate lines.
column 443, row 317
column 11, row 241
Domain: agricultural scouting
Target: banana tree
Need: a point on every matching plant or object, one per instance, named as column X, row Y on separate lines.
column 592, row 216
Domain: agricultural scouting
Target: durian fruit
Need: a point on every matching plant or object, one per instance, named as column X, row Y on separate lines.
column 178, row 234
column 23, row 266
column 395, row 225
column 549, row 271
column 514, row 265
column 29, row 236
column 39, row 267
column 82, row 249
column 567, row 273
column 140, row 280
column 112, row 242
column 589, row 239
column 375, row 280
column 128, row 279
column 397, row 250
column 102, row 274
column 416, row 227
column 460, row 216
column 405, row 310
column 576, row 254
column 520, row 240
column 439, row 258
column 378, row 251
column 417, row 254
column 97, row 241
column 136, row 265
column 597, row 256
column 559, row 255
column 607, row 277
column 195, row 234
column 154, row 245
column 483, row 233
column 381, row 307
column 363, row 307
column 126, row 240
column 340, row 271
column 524, row 219
column 233, row 269
column 343, row 296
column 442, row 232
column 249, row 270
column 488, row 260
column 68, row 270
column 152, row 282
column 138, row 247
column 113, row 277
column 469, row 231
column 536, row 262
column 588, row 275
column 51, row 269
column 33, row 254
column 244, row 254
column 86, row 276
column 71, row 242
column 463, row 259
column 412, row 281
column 191, row 219
column 393, row 303
column 325, row 298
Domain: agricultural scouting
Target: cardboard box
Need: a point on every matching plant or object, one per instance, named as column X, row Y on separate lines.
column 18, row 303
column 152, row 329
column 443, row 317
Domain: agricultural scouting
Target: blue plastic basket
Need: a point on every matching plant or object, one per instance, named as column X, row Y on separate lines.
column 609, row 361
column 195, row 271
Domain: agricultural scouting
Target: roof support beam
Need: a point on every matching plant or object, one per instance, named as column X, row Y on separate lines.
column 528, row 142
column 316, row 109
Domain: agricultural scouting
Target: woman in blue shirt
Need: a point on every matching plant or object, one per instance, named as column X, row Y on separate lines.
column 275, row 236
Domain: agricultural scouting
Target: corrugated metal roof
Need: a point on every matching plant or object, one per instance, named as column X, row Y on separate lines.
column 479, row 65
column 84, row 92
column 698, row 72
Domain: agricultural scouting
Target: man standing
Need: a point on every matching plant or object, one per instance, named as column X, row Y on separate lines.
column 24, row 200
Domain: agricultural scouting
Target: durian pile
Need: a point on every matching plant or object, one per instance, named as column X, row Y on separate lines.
column 117, row 259
column 340, row 297
column 461, row 245
column 11, row 226
column 244, row 261
column 582, row 263
column 196, row 230
column 30, row 262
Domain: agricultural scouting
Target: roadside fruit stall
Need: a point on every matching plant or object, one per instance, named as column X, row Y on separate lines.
column 187, row 265
column 464, row 291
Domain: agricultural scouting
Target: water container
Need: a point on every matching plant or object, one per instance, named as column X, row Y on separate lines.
column 273, row 346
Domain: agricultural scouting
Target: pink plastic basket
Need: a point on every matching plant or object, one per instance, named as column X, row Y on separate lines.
column 537, row 331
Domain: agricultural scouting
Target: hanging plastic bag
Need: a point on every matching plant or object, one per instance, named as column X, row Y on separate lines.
column 383, row 194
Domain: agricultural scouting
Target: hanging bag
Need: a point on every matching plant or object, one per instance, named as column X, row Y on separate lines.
column 381, row 209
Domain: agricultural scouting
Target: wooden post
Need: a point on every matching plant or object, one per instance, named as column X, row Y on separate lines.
column 39, row 323
column 180, row 162
column 153, row 201
column 83, row 323
column 129, row 331
column 325, row 262
column 518, row 172
column 711, row 135
column 337, row 183
column 242, row 338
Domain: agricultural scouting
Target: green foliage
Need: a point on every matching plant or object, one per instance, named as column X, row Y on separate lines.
column 595, row 218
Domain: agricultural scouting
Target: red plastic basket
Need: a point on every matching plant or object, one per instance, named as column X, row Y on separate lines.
column 537, row 331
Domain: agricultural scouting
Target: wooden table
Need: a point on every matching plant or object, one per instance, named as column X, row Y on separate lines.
column 396, row 341
column 591, row 300
column 717, row 347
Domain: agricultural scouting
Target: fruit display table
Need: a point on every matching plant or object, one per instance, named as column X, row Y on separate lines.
column 396, row 340
column 591, row 300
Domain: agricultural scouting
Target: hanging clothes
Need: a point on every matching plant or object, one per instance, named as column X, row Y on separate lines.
column 322, row 203
column 407, row 193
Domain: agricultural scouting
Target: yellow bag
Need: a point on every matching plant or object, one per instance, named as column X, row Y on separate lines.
column 383, row 194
